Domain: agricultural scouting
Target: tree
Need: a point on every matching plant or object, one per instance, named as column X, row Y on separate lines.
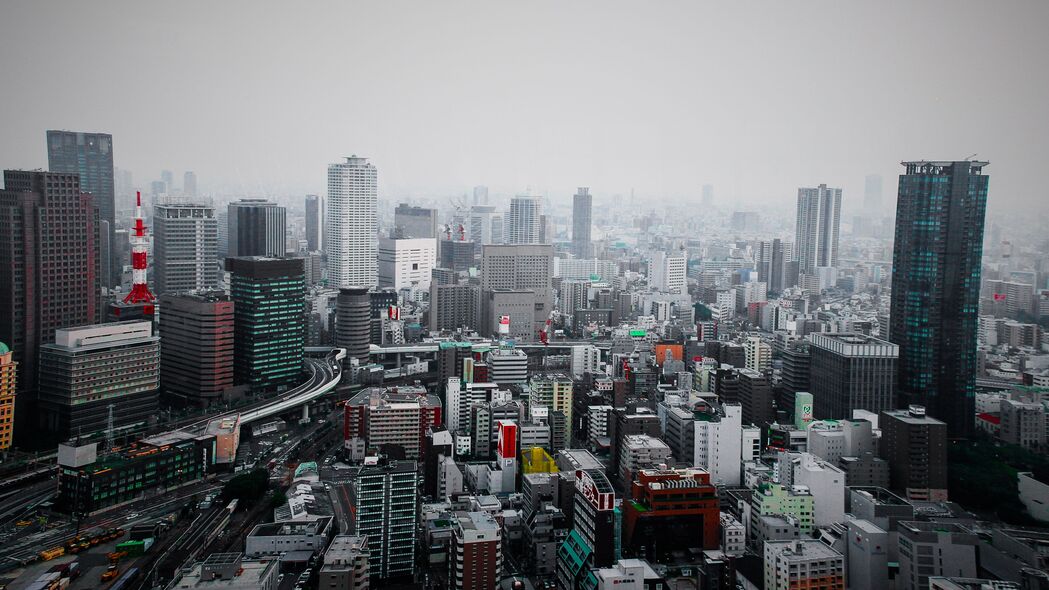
column 248, row 488
column 981, row 476
column 278, row 499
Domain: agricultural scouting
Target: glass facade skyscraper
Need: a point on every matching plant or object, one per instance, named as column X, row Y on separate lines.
column 936, row 287
column 269, row 302
column 89, row 155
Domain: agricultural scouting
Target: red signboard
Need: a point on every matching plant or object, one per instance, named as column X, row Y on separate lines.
column 507, row 439
column 585, row 485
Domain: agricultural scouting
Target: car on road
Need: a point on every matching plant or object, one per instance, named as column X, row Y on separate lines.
column 110, row 573
column 133, row 516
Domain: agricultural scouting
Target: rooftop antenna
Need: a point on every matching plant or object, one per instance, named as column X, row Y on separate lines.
column 971, row 158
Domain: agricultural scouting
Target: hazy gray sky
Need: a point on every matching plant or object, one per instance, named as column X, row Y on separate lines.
column 755, row 98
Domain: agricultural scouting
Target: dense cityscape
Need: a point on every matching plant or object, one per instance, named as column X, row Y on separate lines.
column 216, row 388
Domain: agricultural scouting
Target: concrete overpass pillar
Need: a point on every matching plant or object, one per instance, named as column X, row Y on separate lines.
column 305, row 412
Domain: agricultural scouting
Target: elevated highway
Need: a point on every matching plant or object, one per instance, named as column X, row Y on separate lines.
column 325, row 371
column 431, row 348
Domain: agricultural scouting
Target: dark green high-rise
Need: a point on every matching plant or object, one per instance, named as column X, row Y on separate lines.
column 936, row 287
column 269, row 303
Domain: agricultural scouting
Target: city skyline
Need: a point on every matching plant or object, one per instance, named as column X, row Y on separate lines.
column 595, row 297
column 727, row 105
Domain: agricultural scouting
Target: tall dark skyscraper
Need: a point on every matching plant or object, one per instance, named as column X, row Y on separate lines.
column 91, row 156
column 256, row 227
column 582, row 205
column 851, row 371
column 49, row 267
column 936, row 287
column 313, row 222
column 269, row 300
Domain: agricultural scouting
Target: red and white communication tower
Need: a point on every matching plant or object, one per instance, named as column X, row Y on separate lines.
column 140, row 292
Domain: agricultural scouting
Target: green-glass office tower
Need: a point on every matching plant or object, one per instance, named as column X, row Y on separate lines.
column 936, row 287
column 269, row 302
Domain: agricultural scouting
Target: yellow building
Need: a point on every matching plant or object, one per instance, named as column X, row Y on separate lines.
column 7, row 397
column 537, row 460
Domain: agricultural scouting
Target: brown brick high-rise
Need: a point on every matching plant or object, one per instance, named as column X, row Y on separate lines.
column 49, row 265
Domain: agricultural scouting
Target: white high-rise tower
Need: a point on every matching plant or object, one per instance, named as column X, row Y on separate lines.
column 524, row 221
column 819, row 216
column 352, row 227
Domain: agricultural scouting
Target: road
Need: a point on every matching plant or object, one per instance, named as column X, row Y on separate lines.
column 324, row 375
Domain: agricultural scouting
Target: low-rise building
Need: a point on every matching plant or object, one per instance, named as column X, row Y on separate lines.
column 8, row 383
column 477, row 557
column 930, row 549
column 625, row 574
column 345, row 564
column 867, row 555
column 394, row 416
column 802, row 564
column 1034, row 494
column 276, row 538
column 230, row 571
column 733, row 535
column 88, row 482
column 1022, row 423
column 670, row 510
column 824, row 481
column 778, row 499
column 915, row 445
column 640, row 451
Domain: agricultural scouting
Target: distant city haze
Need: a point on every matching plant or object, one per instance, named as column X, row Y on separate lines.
column 756, row 99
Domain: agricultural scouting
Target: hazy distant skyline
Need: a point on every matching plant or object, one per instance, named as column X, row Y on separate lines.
column 755, row 98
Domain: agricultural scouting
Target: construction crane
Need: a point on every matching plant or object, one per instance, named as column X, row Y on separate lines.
column 459, row 208
column 460, row 230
